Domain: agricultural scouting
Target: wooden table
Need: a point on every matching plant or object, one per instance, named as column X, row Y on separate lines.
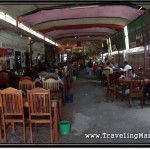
column 127, row 81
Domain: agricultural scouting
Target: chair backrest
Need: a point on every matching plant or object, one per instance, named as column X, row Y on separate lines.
column 51, row 77
column 43, row 73
column 26, row 84
column 130, row 73
column 140, row 72
column 106, row 72
column 111, row 80
column 51, row 84
column 137, row 83
column 121, row 73
column 27, row 78
column 4, row 77
column 39, row 102
column 0, row 98
column 12, row 103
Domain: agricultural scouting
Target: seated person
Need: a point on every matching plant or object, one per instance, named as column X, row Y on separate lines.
column 126, row 68
column 53, row 73
column 107, row 67
column 60, row 74
column 105, row 62
column 116, row 66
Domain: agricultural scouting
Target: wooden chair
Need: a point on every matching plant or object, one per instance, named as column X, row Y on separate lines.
column 40, row 109
column 51, row 77
column 105, row 74
column 120, row 90
column 136, row 89
column 27, row 78
column 4, row 78
column 121, row 73
column 26, row 84
column 140, row 72
column 12, row 110
column 130, row 73
column 54, row 87
column 38, row 82
column 0, row 117
column 111, row 84
column 43, row 74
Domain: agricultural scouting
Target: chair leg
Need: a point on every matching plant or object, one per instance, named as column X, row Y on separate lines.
column 31, row 136
column 142, row 102
column 122, row 97
column 24, row 132
column 60, row 109
column 13, row 127
column 51, row 133
column 0, row 131
column 130, row 101
column 36, row 127
column 5, row 133
column 113, row 96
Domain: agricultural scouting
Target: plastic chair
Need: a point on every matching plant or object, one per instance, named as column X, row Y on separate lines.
column 40, row 109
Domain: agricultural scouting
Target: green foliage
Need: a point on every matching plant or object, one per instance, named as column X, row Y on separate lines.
column 77, row 56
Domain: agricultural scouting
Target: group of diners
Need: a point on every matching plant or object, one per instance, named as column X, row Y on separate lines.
column 127, row 69
column 122, row 81
column 14, row 75
column 51, row 80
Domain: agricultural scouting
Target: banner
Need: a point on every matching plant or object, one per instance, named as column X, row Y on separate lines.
column 3, row 52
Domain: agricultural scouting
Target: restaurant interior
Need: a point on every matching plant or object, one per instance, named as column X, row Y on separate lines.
column 45, row 48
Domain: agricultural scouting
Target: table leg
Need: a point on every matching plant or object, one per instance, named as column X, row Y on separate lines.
column 56, row 134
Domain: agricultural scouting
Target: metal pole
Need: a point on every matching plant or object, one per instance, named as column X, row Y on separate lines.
column 146, row 45
column 31, row 53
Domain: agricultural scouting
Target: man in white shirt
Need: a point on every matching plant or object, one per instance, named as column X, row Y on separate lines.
column 126, row 68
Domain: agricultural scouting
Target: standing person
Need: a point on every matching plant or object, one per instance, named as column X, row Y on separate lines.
column 95, row 68
column 90, row 65
column 107, row 67
column 105, row 63
column 81, row 66
column 39, row 61
column 65, row 67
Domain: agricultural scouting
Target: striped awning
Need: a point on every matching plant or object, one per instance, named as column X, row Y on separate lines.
column 62, row 22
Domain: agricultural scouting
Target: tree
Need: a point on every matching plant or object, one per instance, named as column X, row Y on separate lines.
column 77, row 56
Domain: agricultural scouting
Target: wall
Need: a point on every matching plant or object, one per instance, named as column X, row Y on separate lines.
column 18, row 42
column 136, row 60
column 51, row 54
column 118, row 58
